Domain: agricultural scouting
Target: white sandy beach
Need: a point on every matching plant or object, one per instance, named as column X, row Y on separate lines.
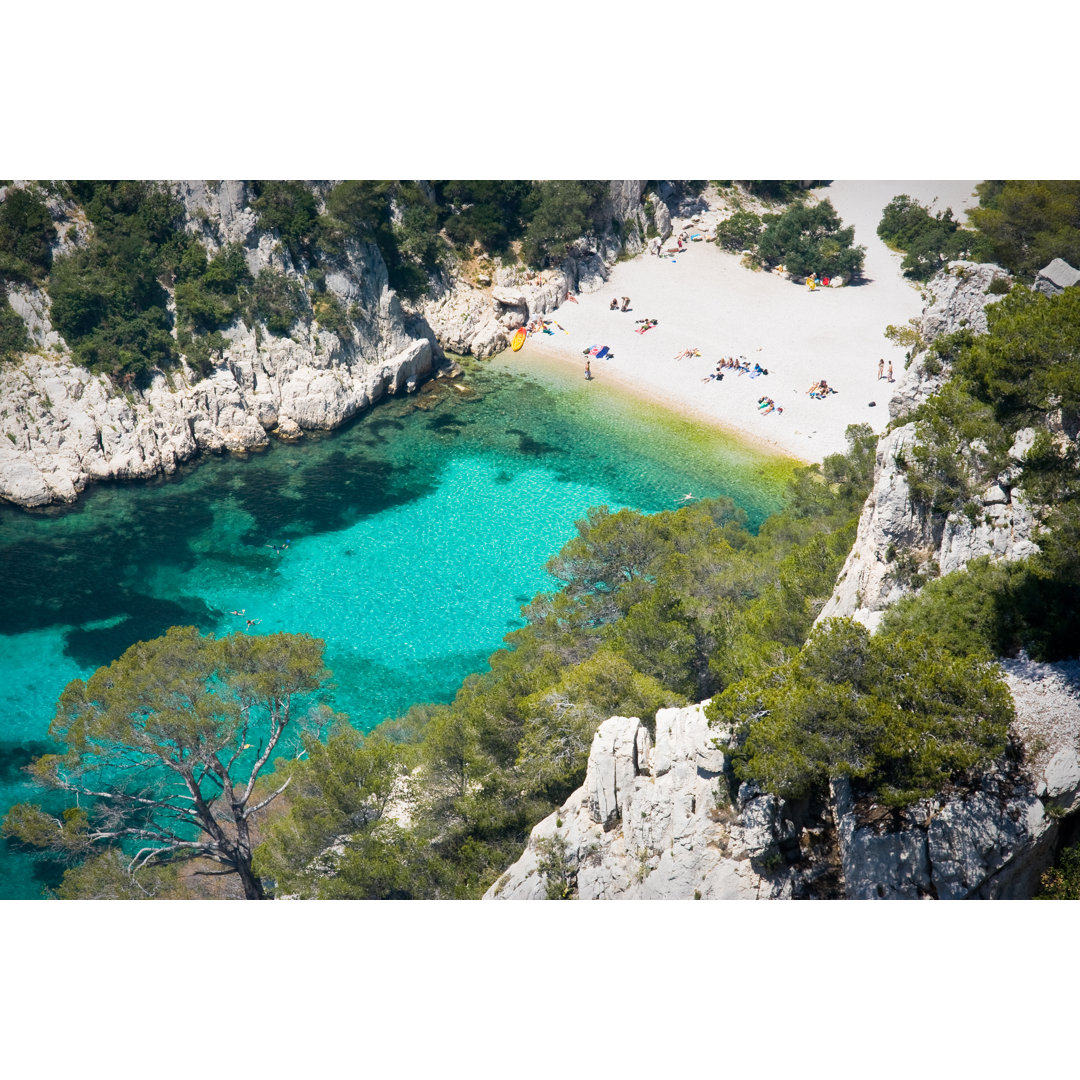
column 705, row 298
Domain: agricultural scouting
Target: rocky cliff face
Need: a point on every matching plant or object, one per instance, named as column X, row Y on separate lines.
column 896, row 537
column 65, row 427
column 654, row 819
column 994, row 839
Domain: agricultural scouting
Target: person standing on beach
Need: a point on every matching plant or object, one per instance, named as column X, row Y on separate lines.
column 890, row 371
column 881, row 367
column 588, row 371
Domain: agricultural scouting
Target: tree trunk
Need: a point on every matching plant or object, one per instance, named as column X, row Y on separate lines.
column 253, row 889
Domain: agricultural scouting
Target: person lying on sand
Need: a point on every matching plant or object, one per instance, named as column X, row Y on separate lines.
column 687, row 353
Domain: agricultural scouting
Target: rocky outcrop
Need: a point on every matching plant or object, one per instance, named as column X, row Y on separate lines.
column 66, row 427
column 895, row 537
column 653, row 821
column 995, row 838
column 71, row 427
column 1056, row 278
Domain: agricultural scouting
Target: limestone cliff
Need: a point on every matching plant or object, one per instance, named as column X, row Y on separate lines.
column 896, row 538
column 65, row 427
column 655, row 819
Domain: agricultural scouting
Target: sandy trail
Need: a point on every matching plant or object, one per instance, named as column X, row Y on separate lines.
column 705, row 298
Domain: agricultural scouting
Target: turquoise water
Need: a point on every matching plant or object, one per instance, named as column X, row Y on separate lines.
column 415, row 536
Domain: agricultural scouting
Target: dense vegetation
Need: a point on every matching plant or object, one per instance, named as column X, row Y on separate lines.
column 654, row 611
column 928, row 240
column 107, row 296
column 895, row 711
column 1025, row 369
column 13, row 335
column 805, row 238
column 27, row 234
column 1028, row 223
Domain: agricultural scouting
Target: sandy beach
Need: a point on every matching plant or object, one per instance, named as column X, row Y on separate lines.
column 705, row 298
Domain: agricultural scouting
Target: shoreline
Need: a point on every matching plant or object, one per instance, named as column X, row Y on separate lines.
column 564, row 360
column 704, row 298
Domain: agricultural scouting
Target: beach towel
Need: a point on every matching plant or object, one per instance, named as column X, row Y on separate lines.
column 602, row 353
column 754, row 374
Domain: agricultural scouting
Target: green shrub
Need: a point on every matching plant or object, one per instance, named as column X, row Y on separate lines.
column 331, row 315
column 208, row 292
column 1028, row 223
column 485, row 212
column 14, row 338
column 739, row 232
column 27, row 234
column 288, row 207
column 929, row 240
column 107, row 297
column 1062, row 880
column 561, row 213
column 809, row 239
column 278, row 301
column 894, row 711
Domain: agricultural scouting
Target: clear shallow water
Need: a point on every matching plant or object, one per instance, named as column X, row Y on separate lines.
column 415, row 535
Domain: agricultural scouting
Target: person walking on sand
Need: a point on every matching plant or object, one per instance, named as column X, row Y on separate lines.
column 890, row 371
column 881, row 368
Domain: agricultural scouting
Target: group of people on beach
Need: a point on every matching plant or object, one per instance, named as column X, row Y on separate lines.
column 614, row 305
column 820, row 390
column 766, row 405
column 881, row 370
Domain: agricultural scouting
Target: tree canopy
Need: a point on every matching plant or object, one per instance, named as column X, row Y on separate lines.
column 893, row 710
column 162, row 750
column 809, row 238
column 928, row 240
column 1029, row 223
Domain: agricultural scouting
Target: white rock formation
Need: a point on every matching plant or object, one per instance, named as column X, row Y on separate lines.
column 1056, row 278
column 653, row 821
column 65, row 427
column 994, row 840
column 890, row 526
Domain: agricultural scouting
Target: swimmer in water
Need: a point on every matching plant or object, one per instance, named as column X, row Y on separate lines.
column 240, row 612
column 252, row 622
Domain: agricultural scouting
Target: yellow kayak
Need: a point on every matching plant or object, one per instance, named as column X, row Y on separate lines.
column 518, row 340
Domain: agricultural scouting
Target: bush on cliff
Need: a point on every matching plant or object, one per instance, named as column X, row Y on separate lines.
column 13, row 336
column 485, row 212
column 278, row 300
column 107, row 297
column 27, row 234
column 1029, row 223
column 894, row 711
column 560, row 211
column 288, row 208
